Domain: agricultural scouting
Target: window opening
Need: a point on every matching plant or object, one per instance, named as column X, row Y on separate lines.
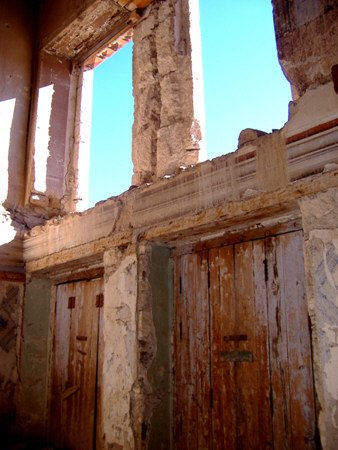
column 243, row 82
column 112, row 118
column 106, row 116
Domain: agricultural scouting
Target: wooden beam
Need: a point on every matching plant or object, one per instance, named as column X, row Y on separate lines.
column 89, row 274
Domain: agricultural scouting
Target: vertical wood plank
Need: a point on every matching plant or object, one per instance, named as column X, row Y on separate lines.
column 202, row 351
column 192, row 384
column 280, row 376
column 291, row 273
column 179, row 356
column 222, row 305
column 261, row 346
column 99, row 409
column 60, row 360
column 251, row 377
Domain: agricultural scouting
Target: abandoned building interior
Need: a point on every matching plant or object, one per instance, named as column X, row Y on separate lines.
column 198, row 309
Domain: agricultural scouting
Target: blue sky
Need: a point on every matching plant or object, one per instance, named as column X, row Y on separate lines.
column 243, row 84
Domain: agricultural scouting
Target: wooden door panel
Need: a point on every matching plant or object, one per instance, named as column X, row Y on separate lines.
column 254, row 428
column 240, row 377
column 192, row 358
column 259, row 347
column 75, row 365
column 290, row 347
column 222, row 294
column 60, row 359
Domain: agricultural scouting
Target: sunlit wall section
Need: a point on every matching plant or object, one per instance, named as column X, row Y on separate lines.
column 82, row 131
column 42, row 137
column 197, row 73
column 7, row 231
column 6, row 120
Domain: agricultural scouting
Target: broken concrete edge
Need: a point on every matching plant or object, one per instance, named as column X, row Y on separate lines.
column 241, row 153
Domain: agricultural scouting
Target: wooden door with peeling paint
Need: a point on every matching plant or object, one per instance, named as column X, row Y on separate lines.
column 75, row 365
column 242, row 352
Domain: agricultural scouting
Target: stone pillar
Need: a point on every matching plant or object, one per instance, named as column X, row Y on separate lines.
column 168, row 90
column 320, row 219
column 119, row 352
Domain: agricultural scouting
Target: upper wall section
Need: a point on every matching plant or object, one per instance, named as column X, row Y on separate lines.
column 16, row 45
column 307, row 41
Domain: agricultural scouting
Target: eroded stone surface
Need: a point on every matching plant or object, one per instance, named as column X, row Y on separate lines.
column 248, row 135
column 307, row 41
column 166, row 131
column 320, row 219
column 119, row 354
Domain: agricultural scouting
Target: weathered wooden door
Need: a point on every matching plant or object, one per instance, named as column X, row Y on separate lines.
column 75, row 364
column 242, row 352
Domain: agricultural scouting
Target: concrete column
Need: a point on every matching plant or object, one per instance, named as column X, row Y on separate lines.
column 168, row 90
column 119, row 350
column 320, row 219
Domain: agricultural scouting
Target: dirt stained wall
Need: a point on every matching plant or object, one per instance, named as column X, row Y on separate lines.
column 119, row 357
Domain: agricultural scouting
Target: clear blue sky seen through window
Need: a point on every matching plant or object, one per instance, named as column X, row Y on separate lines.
column 243, row 84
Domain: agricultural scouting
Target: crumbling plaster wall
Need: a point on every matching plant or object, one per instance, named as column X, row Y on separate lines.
column 167, row 126
column 119, row 354
column 320, row 220
column 307, row 41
